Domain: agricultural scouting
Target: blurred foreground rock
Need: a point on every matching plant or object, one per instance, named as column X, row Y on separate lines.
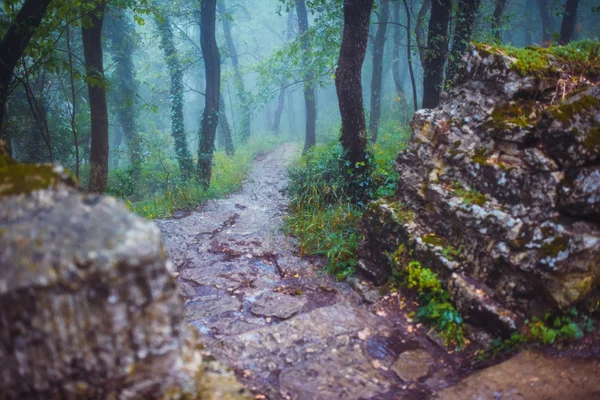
column 88, row 308
column 499, row 191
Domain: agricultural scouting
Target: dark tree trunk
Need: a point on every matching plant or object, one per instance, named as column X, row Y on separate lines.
column 376, row 80
column 465, row 18
column 309, row 89
column 437, row 46
column 281, row 99
column 92, row 51
column 547, row 22
column 14, row 43
column 167, row 43
column 409, row 56
column 121, row 34
column 239, row 81
column 497, row 19
column 225, row 129
column 420, row 30
column 400, row 92
column 567, row 27
column 357, row 14
column 212, row 65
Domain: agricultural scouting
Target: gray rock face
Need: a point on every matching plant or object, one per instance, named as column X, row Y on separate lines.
column 87, row 306
column 503, row 182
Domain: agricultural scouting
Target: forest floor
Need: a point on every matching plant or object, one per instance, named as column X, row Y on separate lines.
column 290, row 331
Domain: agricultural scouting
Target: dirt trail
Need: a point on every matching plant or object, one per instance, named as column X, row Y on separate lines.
column 288, row 330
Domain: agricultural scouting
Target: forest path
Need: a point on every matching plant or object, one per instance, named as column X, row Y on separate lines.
column 285, row 328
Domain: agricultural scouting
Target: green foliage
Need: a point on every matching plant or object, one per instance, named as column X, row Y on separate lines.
column 471, row 196
column 435, row 306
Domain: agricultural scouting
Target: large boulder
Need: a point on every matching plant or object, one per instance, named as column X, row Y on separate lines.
column 88, row 308
column 502, row 181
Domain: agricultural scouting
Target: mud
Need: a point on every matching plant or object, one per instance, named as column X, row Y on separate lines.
column 288, row 330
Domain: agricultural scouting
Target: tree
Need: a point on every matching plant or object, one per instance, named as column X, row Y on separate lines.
column 91, row 34
column 378, row 49
column 500, row 5
column 167, row 44
column 225, row 129
column 547, row 21
column 567, row 27
column 281, row 99
column 420, row 29
column 437, row 46
column 400, row 92
column 239, row 81
column 409, row 56
column 465, row 18
column 121, row 34
column 357, row 14
column 212, row 65
column 309, row 89
column 12, row 47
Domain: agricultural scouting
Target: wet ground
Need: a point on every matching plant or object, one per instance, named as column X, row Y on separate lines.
column 291, row 332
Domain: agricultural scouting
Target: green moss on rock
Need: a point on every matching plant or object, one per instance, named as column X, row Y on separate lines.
column 18, row 178
column 433, row 240
column 566, row 112
column 553, row 248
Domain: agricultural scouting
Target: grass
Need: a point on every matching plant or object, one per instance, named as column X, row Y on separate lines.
column 324, row 213
column 165, row 190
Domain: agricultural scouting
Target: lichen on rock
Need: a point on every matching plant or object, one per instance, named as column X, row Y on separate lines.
column 506, row 170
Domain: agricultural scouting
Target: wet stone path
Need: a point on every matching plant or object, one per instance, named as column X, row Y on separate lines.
column 285, row 328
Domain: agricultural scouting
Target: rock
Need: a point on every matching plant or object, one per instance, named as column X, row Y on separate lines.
column 413, row 365
column 499, row 193
column 530, row 375
column 277, row 305
column 88, row 306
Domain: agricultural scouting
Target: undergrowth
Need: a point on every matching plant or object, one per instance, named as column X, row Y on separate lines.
column 324, row 210
column 435, row 305
column 165, row 190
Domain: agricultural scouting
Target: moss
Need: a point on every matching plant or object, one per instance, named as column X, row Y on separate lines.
column 480, row 156
column 469, row 196
column 433, row 240
column 18, row 178
column 553, row 248
column 402, row 213
column 512, row 113
column 592, row 141
column 581, row 57
column 566, row 112
column 547, row 231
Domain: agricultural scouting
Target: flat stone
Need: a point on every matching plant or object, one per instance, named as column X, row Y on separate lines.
column 277, row 305
column 413, row 365
column 211, row 306
column 531, row 375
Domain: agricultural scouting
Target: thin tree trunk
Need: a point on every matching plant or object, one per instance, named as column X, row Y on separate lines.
column 212, row 65
column 400, row 92
column 465, row 18
column 409, row 57
column 420, row 29
column 376, row 80
column 547, row 22
column 73, row 104
column 225, row 128
column 437, row 46
column 497, row 19
column 167, row 43
column 309, row 90
column 567, row 27
column 99, row 149
column 281, row 99
column 357, row 14
column 239, row 81
column 14, row 43
column 122, row 37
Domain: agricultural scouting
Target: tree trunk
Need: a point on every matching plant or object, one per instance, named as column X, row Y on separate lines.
column 14, row 43
column 357, row 14
column 309, row 90
column 437, row 46
column 567, row 27
column 225, row 128
column 420, row 30
column 409, row 56
column 465, row 18
column 92, row 51
column 167, row 43
column 239, row 81
column 376, row 80
column 281, row 99
column 121, row 34
column 547, row 22
column 497, row 19
column 400, row 92
column 212, row 65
